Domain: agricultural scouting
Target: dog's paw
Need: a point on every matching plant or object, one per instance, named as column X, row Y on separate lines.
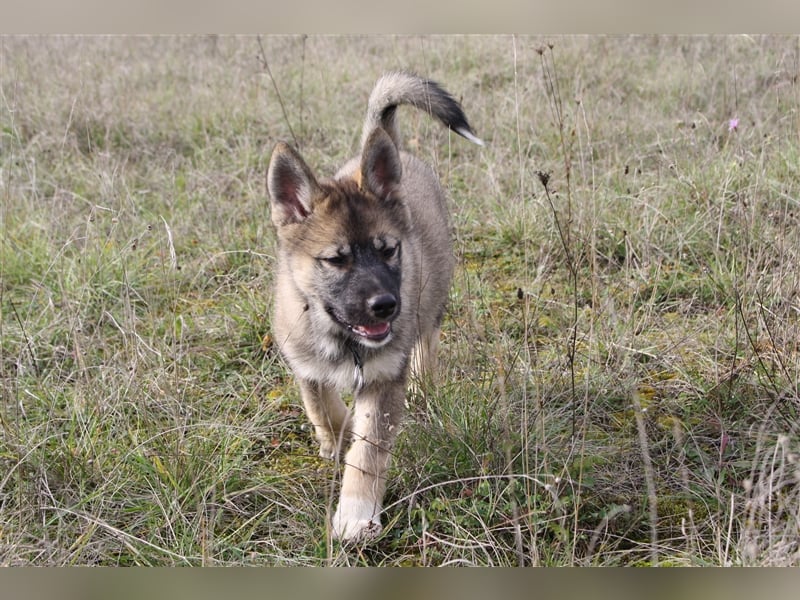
column 356, row 521
column 357, row 530
column 328, row 449
column 330, row 444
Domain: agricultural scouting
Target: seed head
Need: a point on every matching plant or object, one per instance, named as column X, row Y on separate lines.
column 544, row 177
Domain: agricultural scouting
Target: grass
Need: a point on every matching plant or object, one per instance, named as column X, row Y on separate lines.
column 620, row 360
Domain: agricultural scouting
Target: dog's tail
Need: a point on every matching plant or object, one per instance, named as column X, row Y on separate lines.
column 394, row 89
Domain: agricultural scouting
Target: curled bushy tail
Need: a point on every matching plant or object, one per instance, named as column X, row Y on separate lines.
column 394, row 89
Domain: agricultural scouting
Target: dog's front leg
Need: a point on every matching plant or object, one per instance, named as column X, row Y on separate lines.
column 328, row 414
column 378, row 412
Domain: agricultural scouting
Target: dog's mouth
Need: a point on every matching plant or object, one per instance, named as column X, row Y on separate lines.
column 377, row 332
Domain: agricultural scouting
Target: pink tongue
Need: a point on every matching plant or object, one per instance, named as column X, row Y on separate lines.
column 372, row 330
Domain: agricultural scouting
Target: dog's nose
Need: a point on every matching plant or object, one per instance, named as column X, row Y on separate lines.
column 382, row 306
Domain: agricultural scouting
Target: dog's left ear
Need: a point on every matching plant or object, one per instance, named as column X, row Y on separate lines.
column 380, row 164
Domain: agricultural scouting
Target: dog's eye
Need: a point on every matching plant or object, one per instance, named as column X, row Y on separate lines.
column 338, row 260
column 390, row 252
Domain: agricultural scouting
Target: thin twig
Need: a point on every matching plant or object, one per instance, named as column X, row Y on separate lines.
column 265, row 64
column 564, row 232
column 25, row 336
column 649, row 477
column 573, row 270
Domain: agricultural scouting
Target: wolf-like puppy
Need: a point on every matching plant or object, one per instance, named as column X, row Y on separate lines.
column 364, row 268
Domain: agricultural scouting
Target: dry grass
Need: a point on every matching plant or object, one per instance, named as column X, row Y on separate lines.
column 621, row 366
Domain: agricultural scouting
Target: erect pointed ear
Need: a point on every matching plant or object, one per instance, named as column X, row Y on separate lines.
column 380, row 164
column 291, row 186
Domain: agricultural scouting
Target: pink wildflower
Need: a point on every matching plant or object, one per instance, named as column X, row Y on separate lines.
column 733, row 124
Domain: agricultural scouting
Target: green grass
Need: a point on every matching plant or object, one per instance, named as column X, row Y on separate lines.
column 620, row 380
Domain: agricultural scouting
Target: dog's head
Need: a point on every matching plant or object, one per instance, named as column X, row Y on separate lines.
column 342, row 239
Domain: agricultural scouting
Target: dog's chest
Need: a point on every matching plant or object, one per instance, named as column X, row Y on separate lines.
column 346, row 373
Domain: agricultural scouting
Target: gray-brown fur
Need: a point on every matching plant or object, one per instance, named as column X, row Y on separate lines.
column 364, row 268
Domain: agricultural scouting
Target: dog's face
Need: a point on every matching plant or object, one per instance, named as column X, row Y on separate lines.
column 343, row 241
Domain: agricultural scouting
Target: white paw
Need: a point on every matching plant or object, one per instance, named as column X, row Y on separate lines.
column 356, row 520
column 327, row 449
column 330, row 445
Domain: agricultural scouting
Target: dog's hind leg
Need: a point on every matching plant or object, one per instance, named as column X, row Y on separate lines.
column 424, row 363
column 329, row 416
column 424, row 358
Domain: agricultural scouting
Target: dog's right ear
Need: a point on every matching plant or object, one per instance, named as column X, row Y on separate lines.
column 291, row 186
